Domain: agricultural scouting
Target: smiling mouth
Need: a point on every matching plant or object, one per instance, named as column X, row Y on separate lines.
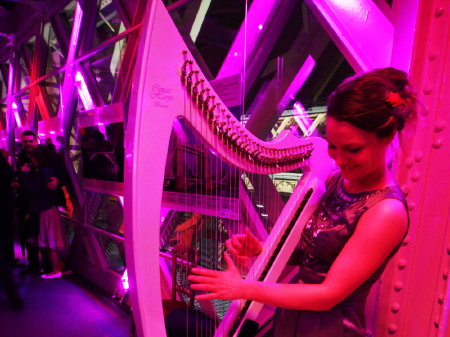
column 348, row 168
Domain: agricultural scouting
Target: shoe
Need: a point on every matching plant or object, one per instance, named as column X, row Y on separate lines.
column 47, row 276
column 67, row 272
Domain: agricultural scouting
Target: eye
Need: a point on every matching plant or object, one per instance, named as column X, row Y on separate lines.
column 355, row 150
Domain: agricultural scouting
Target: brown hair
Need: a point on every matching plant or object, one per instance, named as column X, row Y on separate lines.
column 381, row 101
column 28, row 133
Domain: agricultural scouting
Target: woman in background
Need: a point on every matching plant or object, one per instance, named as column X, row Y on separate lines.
column 44, row 199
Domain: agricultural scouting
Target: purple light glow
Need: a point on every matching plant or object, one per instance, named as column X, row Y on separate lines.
column 16, row 114
column 83, row 91
column 125, row 283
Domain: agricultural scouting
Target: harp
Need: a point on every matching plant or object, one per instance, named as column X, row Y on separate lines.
column 169, row 84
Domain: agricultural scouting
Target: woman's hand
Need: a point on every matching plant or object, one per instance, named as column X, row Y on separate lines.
column 243, row 246
column 225, row 285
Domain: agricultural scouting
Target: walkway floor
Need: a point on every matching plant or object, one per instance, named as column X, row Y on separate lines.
column 63, row 307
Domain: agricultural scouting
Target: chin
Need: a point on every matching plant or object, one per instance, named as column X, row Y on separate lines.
column 351, row 175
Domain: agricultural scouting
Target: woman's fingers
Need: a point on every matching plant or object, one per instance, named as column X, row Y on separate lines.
column 230, row 264
column 204, row 272
column 207, row 296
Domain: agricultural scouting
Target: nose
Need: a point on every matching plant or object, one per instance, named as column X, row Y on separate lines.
column 340, row 158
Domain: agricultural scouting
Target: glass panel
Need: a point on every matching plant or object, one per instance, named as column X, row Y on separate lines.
column 55, row 57
column 3, row 108
column 22, row 107
column 74, row 149
column 24, row 76
column 105, row 212
column 68, row 13
column 102, row 150
column 3, row 82
column 51, row 86
column 113, row 252
column 105, row 66
column 108, row 24
column 207, row 234
column 222, row 18
column 69, row 229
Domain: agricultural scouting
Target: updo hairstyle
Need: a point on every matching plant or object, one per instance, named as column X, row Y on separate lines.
column 380, row 101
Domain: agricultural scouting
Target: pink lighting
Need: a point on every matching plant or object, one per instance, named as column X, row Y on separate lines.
column 298, row 81
column 83, row 91
column 16, row 114
column 349, row 5
column 302, row 119
column 246, row 40
column 125, row 283
column 359, row 28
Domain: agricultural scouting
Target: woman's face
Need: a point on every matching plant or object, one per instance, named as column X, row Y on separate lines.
column 360, row 154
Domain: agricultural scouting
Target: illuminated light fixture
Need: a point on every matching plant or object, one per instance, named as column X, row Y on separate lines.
column 302, row 119
column 16, row 114
column 52, row 132
column 264, row 215
column 83, row 91
column 259, row 205
column 260, row 27
column 125, row 283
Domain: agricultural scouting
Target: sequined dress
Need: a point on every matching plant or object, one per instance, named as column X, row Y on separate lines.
column 324, row 236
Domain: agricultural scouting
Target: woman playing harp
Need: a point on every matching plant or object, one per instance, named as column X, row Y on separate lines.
column 357, row 228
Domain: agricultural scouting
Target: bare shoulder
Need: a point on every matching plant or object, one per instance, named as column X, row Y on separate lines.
column 387, row 216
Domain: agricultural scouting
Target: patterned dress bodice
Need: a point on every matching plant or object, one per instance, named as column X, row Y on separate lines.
column 325, row 234
column 333, row 223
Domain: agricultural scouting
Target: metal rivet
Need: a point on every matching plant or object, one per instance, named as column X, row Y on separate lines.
column 440, row 126
column 439, row 11
column 415, row 176
column 405, row 189
column 433, row 56
column 418, row 157
column 437, row 144
column 441, row 298
column 392, row 328
column 436, row 322
column 448, row 250
column 402, row 264
column 409, row 162
column 395, row 307
column 411, row 205
column 445, row 274
column 428, row 90
column 398, row 286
